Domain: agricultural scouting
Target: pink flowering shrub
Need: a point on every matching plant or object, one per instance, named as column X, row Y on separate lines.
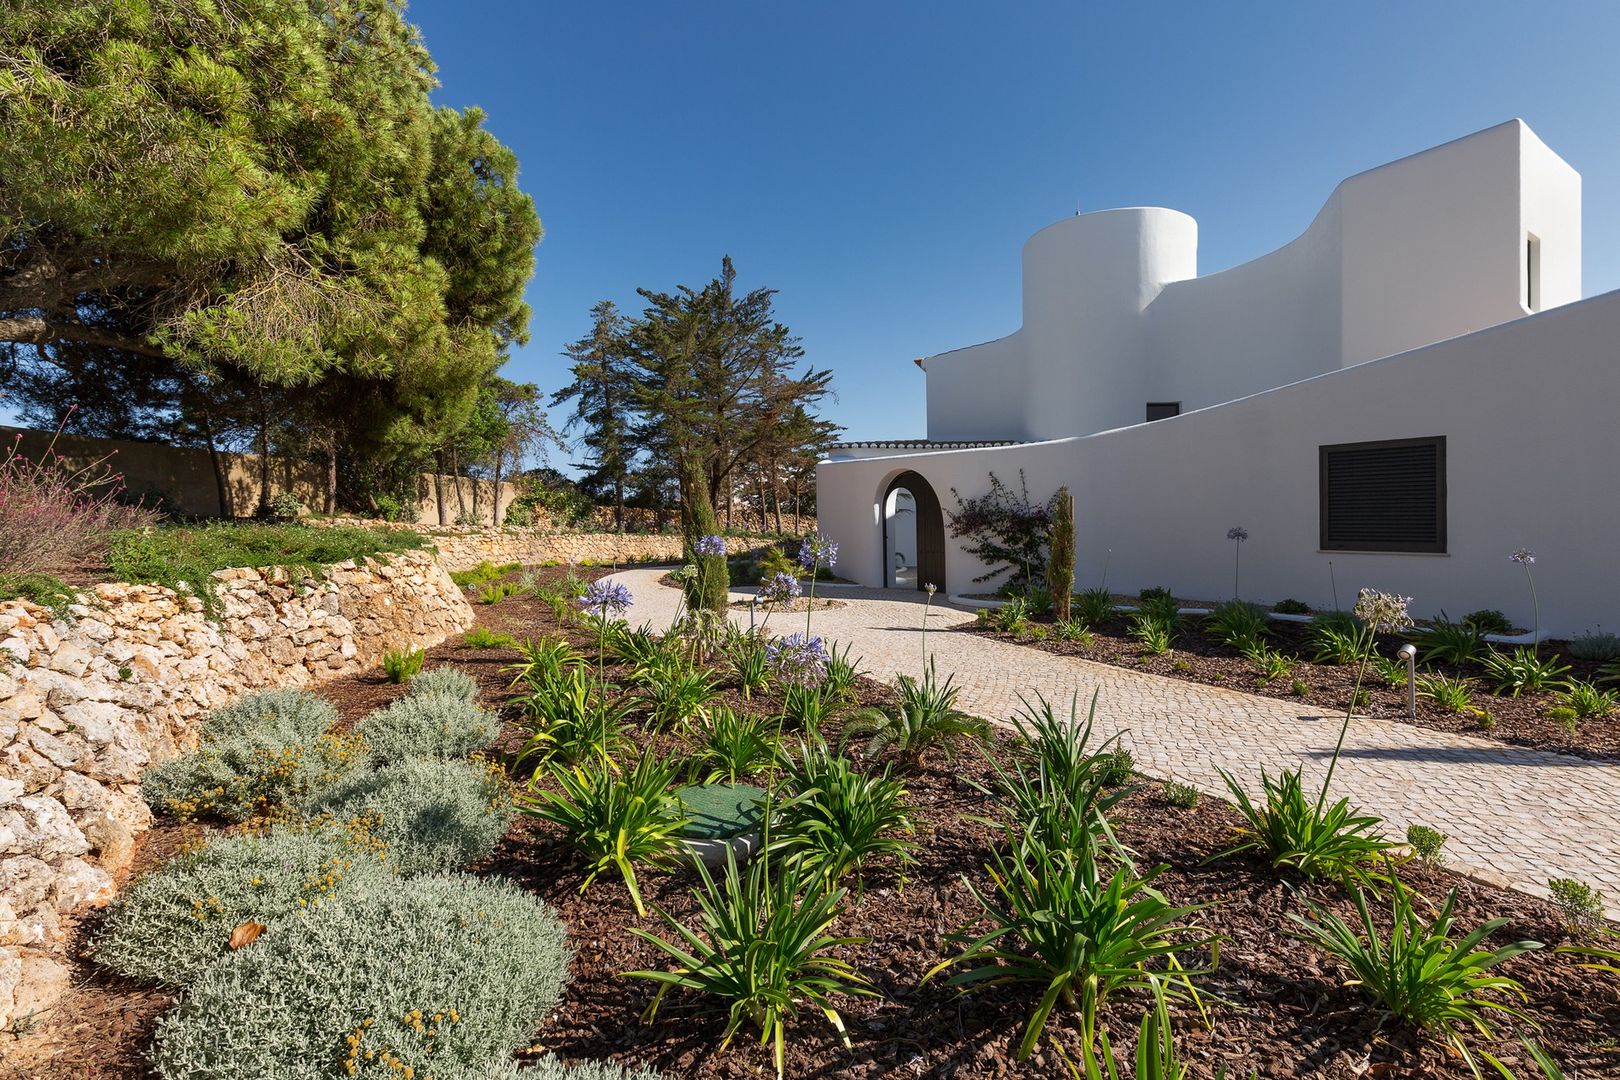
column 54, row 516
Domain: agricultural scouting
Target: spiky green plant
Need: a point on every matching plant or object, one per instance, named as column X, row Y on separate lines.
column 401, row 665
column 837, row 819
column 1079, row 932
column 1420, row 973
column 614, row 819
column 1447, row 642
column 1450, row 693
column 675, row 694
column 1293, row 829
column 729, row 746
column 925, row 717
column 1523, row 671
column 762, row 947
column 1239, row 624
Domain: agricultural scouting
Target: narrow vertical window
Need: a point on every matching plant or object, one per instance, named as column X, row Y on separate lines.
column 1532, row 272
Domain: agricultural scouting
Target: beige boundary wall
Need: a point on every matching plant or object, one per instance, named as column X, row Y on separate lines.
column 87, row 702
column 462, row 547
column 184, row 476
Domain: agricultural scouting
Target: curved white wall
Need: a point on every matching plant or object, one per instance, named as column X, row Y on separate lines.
column 1414, row 252
column 1531, row 448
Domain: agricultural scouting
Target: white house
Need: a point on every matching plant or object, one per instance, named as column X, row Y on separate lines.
column 1410, row 391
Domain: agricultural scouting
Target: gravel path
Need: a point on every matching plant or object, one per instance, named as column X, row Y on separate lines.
column 1515, row 816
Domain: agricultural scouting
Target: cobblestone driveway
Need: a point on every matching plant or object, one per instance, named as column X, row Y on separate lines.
column 1515, row 816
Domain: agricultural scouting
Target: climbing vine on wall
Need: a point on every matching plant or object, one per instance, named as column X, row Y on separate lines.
column 1006, row 531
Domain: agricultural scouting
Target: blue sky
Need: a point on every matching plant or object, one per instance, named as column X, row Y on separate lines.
column 882, row 163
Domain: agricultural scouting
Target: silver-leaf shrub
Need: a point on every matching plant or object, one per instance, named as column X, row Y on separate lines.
column 267, row 749
column 446, row 682
column 433, row 816
column 179, row 919
column 426, row 975
column 435, row 725
column 552, row 1068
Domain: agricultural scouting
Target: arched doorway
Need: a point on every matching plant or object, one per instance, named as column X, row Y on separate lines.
column 913, row 534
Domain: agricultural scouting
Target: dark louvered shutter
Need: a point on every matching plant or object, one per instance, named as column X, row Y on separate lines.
column 1384, row 496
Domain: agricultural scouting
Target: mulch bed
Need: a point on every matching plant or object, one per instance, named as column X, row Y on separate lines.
column 1520, row 721
column 1276, row 1006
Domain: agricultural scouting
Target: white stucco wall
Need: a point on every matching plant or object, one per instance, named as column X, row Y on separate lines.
column 1528, row 409
column 1410, row 253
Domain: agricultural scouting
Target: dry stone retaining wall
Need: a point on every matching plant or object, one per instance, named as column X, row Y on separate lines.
column 86, row 702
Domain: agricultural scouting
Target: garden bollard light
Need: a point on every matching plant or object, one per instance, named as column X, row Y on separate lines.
column 1408, row 652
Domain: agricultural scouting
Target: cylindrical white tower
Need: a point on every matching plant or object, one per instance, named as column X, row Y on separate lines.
column 1087, row 280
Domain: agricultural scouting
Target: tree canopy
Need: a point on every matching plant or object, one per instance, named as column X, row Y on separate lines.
column 197, row 194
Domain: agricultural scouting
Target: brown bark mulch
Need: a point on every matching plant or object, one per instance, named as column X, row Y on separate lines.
column 1520, row 721
column 1277, row 1007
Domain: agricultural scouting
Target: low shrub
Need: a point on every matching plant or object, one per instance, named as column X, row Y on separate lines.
column 1579, row 905
column 1154, row 593
column 171, row 924
column 1073, row 629
column 842, row 673
column 675, row 694
column 399, row 981
column 1447, row 642
column 1270, row 664
column 1488, row 621
column 1183, row 795
column 1161, row 607
column 1452, row 694
column 1600, row 647
column 1420, row 972
column 573, row 723
column 1587, row 701
column 433, row 816
column 496, row 591
column 1012, row 616
column 806, row 708
column 484, row 573
column 1335, row 638
column 1240, row 624
column 433, row 725
column 1119, row 765
column 729, row 746
column 403, row 665
column 445, row 682
column 264, row 750
column 1426, row 844
column 1291, row 606
column 1157, row 637
column 482, row 637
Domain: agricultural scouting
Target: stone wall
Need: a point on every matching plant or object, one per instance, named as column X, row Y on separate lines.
column 87, row 701
column 464, row 546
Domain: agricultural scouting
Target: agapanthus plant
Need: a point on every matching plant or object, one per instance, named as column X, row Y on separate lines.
column 1527, row 558
column 1237, row 534
column 798, row 659
column 780, row 589
column 814, row 553
column 710, row 545
column 607, row 600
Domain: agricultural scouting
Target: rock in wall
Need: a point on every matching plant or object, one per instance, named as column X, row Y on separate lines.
column 88, row 700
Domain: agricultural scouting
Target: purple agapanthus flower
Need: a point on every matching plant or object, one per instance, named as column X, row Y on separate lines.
column 710, row 545
column 606, row 599
column 797, row 660
column 1238, row 533
column 1524, row 557
column 780, row 588
column 817, row 551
